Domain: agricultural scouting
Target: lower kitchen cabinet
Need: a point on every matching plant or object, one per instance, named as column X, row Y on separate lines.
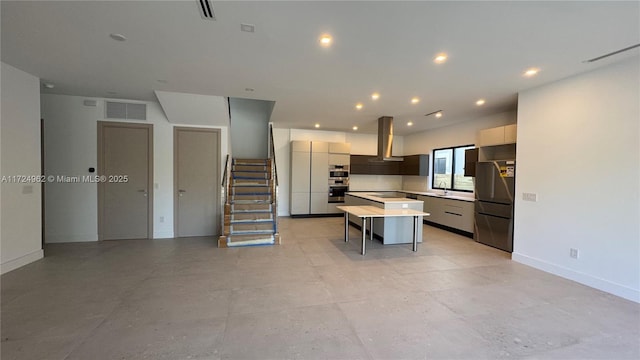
column 299, row 203
column 319, row 202
column 456, row 214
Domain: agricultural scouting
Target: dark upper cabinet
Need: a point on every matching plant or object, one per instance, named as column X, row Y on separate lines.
column 369, row 165
column 359, row 164
column 415, row 165
column 470, row 160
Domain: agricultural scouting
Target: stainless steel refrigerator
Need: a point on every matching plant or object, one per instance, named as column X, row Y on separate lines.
column 495, row 184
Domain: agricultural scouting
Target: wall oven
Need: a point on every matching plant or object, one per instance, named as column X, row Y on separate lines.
column 337, row 190
column 338, row 183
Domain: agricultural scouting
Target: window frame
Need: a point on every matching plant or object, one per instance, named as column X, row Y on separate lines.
column 453, row 167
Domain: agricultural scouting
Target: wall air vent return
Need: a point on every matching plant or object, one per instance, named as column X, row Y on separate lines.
column 120, row 110
column 206, row 9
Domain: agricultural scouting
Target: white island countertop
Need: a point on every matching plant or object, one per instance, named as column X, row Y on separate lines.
column 381, row 197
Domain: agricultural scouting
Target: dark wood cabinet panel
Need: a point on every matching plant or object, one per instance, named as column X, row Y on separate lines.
column 415, row 165
column 369, row 165
column 359, row 164
column 470, row 160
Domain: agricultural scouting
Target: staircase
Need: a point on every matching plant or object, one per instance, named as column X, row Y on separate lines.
column 250, row 209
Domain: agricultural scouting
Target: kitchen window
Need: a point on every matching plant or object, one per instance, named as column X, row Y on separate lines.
column 448, row 169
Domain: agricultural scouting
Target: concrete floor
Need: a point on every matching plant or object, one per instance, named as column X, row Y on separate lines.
column 312, row 297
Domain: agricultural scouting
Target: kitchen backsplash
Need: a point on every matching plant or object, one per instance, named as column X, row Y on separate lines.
column 415, row 183
column 374, row 182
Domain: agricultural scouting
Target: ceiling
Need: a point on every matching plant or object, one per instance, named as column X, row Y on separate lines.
column 378, row 46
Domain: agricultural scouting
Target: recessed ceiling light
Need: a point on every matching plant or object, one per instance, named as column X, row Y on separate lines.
column 359, row 106
column 326, row 40
column 410, row 123
column 440, row 58
column 480, row 102
column 415, row 100
column 118, row 37
column 439, row 114
column 355, row 128
column 375, row 96
column 317, row 125
column 531, row 72
column 48, row 85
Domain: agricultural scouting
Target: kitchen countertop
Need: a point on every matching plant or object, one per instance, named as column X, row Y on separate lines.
column 379, row 196
column 423, row 193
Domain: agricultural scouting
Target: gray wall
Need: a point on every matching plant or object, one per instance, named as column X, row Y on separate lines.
column 250, row 127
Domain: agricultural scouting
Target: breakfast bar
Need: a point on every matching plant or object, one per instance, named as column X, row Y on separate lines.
column 371, row 212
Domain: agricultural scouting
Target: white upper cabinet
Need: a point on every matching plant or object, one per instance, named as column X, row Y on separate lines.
column 497, row 136
column 319, row 147
column 510, row 134
column 340, row 148
column 303, row 146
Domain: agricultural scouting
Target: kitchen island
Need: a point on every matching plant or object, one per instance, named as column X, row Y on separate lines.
column 390, row 230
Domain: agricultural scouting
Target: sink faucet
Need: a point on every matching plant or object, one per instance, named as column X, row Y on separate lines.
column 444, row 187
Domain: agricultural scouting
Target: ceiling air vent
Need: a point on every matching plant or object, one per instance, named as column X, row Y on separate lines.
column 611, row 53
column 131, row 111
column 206, row 9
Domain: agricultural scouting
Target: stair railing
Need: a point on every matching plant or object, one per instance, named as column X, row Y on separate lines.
column 274, row 172
column 226, row 178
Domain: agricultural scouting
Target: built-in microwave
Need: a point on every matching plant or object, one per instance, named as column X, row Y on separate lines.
column 338, row 171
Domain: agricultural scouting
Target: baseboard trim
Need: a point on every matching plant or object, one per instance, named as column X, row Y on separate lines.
column 582, row 278
column 163, row 235
column 21, row 261
column 68, row 238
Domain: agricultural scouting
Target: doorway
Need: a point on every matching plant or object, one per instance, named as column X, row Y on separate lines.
column 196, row 181
column 125, row 191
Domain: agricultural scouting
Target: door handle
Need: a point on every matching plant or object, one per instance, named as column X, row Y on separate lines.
column 143, row 191
column 181, row 192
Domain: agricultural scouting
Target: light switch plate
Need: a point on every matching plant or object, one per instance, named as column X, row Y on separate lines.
column 530, row 197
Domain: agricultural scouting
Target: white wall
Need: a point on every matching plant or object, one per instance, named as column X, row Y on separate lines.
column 20, row 155
column 281, row 141
column 194, row 109
column 464, row 133
column 579, row 150
column 71, row 148
column 250, row 128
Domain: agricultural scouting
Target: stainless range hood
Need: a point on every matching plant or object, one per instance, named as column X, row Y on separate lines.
column 385, row 140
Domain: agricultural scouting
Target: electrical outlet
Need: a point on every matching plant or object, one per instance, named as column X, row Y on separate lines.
column 161, row 219
column 573, row 253
column 530, row 197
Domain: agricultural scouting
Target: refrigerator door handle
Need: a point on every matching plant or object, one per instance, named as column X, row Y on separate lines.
column 493, row 180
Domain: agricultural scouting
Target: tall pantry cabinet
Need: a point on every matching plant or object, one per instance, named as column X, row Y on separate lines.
column 300, row 177
column 319, row 177
column 310, row 175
